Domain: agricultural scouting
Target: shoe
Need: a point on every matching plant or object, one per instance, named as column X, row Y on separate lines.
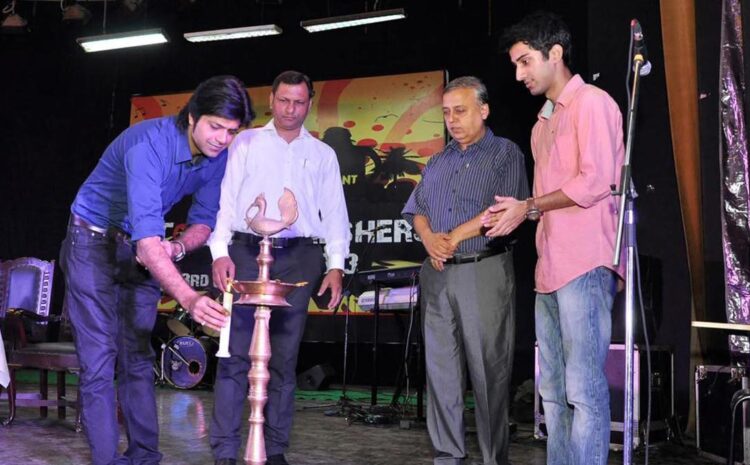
column 277, row 459
column 225, row 462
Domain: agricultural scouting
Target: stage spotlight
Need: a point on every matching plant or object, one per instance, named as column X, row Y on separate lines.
column 76, row 12
column 12, row 22
column 360, row 19
column 132, row 5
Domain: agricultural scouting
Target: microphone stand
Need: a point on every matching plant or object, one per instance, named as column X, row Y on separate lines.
column 345, row 406
column 158, row 365
column 627, row 217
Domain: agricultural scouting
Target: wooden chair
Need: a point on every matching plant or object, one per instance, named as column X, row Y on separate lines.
column 25, row 308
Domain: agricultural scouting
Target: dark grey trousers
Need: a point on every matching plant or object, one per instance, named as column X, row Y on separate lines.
column 468, row 314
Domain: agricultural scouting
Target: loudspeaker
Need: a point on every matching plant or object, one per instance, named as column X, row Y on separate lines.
column 316, row 378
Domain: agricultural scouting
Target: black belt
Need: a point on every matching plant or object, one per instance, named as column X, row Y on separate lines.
column 477, row 256
column 76, row 220
column 276, row 242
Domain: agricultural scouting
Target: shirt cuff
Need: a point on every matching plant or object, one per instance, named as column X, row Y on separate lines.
column 409, row 217
column 144, row 231
column 581, row 194
column 218, row 249
column 335, row 261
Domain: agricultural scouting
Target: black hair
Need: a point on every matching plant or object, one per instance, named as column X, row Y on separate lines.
column 293, row 78
column 540, row 30
column 223, row 96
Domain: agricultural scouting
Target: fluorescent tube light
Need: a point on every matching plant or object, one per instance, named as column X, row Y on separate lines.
column 360, row 19
column 122, row 40
column 233, row 33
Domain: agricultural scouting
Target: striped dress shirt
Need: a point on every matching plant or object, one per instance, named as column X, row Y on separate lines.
column 458, row 184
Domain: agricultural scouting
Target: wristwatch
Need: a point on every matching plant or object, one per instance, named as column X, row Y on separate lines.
column 181, row 254
column 532, row 212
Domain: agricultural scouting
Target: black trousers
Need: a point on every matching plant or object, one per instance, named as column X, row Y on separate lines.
column 294, row 264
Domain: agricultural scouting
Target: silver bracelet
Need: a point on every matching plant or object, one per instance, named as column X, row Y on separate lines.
column 181, row 254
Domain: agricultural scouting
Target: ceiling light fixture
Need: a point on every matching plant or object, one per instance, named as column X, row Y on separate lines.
column 360, row 19
column 233, row 33
column 123, row 40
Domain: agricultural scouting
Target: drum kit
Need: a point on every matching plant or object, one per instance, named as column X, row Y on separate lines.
column 189, row 357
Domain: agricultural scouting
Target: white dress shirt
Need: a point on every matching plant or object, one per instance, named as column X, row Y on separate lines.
column 261, row 161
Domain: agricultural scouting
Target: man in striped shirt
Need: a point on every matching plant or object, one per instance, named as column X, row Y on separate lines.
column 467, row 282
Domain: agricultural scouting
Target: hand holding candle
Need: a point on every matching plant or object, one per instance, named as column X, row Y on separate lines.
column 224, row 333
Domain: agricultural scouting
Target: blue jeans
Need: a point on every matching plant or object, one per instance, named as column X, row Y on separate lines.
column 573, row 330
column 112, row 306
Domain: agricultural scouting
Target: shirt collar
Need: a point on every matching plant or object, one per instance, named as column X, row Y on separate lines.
column 483, row 143
column 303, row 133
column 567, row 94
column 183, row 143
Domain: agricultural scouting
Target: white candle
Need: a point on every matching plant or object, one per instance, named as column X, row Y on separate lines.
column 224, row 333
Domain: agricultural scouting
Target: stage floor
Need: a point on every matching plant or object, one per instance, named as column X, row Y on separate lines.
column 317, row 438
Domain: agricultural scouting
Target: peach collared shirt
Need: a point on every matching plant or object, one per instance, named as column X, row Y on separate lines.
column 577, row 145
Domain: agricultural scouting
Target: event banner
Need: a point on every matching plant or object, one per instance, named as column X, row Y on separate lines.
column 383, row 129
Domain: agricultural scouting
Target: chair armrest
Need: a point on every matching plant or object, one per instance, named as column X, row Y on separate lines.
column 14, row 332
column 28, row 314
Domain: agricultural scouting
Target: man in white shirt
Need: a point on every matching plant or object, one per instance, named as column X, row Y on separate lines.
column 282, row 154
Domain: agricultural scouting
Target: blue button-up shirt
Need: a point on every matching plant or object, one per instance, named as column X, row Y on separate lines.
column 458, row 184
column 143, row 173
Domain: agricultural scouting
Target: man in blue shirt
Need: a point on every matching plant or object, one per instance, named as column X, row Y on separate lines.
column 116, row 260
column 467, row 282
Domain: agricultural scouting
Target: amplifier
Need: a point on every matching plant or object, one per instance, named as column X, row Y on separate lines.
column 662, row 394
column 714, row 387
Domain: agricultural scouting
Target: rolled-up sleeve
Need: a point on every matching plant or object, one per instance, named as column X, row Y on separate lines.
column 599, row 122
column 143, row 169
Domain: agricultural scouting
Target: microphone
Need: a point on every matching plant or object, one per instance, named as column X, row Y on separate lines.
column 639, row 46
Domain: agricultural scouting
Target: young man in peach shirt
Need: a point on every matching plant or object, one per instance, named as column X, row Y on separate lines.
column 578, row 151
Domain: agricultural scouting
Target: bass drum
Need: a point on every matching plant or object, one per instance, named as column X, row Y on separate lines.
column 185, row 360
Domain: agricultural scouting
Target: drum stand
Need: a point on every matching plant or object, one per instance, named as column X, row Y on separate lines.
column 158, row 367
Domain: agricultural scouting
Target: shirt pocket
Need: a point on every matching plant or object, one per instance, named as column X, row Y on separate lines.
column 307, row 172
